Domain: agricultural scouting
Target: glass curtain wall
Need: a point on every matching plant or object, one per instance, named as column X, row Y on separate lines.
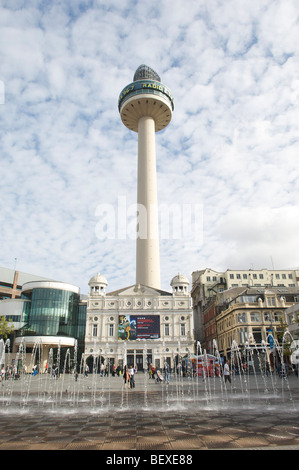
column 53, row 312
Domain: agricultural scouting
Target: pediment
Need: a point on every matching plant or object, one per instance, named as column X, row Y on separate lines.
column 139, row 289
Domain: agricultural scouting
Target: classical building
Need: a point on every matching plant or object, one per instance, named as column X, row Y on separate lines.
column 138, row 325
column 292, row 318
column 207, row 283
column 250, row 316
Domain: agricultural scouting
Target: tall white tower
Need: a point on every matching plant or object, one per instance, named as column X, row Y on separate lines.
column 146, row 107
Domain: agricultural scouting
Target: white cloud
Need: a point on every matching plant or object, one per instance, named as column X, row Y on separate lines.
column 232, row 144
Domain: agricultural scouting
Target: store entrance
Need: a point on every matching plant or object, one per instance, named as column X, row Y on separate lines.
column 135, row 358
column 130, row 360
column 139, row 362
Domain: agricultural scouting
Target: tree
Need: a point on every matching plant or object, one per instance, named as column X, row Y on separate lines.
column 284, row 339
column 5, row 328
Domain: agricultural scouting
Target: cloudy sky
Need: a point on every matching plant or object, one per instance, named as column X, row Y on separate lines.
column 229, row 155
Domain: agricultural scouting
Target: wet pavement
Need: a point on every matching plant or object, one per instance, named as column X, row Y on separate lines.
column 177, row 417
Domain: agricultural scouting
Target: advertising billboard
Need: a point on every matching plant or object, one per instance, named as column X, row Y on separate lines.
column 132, row 327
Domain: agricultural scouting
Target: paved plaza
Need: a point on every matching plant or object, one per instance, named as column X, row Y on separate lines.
column 99, row 414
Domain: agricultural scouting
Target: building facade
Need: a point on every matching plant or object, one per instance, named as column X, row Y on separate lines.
column 11, row 282
column 49, row 314
column 138, row 325
column 249, row 317
column 243, row 307
column 207, row 283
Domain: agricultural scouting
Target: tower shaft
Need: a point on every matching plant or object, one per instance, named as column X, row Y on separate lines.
column 147, row 244
column 146, row 107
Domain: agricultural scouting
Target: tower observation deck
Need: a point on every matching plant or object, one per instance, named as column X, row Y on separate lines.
column 146, row 107
column 146, row 96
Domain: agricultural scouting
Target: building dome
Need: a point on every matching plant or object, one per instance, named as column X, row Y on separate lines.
column 179, row 279
column 98, row 285
column 179, row 284
column 98, row 279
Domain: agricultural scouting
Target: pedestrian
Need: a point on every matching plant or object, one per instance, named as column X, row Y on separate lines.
column 126, row 377
column 166, row 372
column 132, row 371
column 227, row 372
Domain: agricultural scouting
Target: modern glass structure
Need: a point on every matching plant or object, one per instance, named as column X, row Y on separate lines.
column 144, row 71
column 54, row 316
column 52, row 312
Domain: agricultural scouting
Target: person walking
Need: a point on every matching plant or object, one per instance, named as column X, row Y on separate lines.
column 227, row 373
column 166, row 372
column 126, row 377
column 132, row 376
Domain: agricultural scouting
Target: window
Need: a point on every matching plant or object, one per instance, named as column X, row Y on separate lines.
column 242, row 317
column 255, row 317
column 254, row 276
column 290, row 276
column 166, row 329
column 183, row 329
column 277, row 276
column 94, row 330
column 111, row 330
column 277, row 316
column 231, row 276
column 257, row 334
column 238, row 276
column 243, row 335
column 267, row 316
column 13, row 318
column 261, row 276
column 244, row 276
column 271, row 301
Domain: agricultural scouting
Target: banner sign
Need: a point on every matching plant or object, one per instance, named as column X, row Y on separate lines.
column 145, row 85
column 132, row 327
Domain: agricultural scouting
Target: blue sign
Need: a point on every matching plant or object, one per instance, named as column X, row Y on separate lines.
column 271, row 342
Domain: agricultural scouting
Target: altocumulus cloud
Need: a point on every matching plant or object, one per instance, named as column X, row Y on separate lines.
column 231, row 148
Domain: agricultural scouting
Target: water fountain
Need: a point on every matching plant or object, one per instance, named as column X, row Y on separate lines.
column 64, row 386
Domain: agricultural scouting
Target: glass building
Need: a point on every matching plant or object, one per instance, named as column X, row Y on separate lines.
column 52, row 312
column 54, row 316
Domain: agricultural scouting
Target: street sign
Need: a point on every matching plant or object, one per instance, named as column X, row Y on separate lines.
column 271, row 342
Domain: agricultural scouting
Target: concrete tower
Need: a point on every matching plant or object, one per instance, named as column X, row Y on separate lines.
column 146, row 107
